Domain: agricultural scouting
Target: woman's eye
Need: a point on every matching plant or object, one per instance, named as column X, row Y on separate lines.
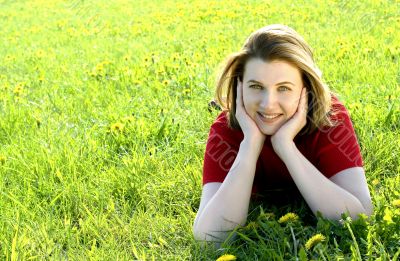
column 255, row 86
column 283, row 88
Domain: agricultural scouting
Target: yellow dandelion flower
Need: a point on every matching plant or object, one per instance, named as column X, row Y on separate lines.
column 85, row 31
column 251, row 225
column 2, row 159
column 106, row 62
column 71, row 31
column 117, row 127
column 40, row 54
column 165, row 82
column 314, row 240
column 41, row 78
column 6, row 86
column 18, row 89
column 99, row 67
column 176, row 56
column 388, row 216
column 289, row 217
column 99, row 70
column 34, row 29
column 375, row 182
column 61, row 23
column 160, row 70
column 64, row 68
column 126, row 70
column 9, row 58
column 396, row 203
column 226, row 257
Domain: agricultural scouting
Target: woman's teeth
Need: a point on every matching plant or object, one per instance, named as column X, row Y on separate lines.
column 269, row 116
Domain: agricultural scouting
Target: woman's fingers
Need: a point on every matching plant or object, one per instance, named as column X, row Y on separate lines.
column 247, row 124
column 241, row 114
column 239, row 96
column 238, row 93
column 304, row 99
column 303, row 105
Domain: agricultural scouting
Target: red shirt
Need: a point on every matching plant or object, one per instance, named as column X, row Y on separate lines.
column 330, row 150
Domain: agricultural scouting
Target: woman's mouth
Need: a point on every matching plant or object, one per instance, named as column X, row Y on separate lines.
column 269, row 118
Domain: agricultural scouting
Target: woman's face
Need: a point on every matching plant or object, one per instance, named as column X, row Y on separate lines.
column 271, row 93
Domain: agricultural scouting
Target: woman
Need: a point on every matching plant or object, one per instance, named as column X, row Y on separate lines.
column 281, row 127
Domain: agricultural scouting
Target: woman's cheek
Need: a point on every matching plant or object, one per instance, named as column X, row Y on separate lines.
column 247, row 103
column 292, row 108
column 250, row 110
column 247, row 107
column 296, row 103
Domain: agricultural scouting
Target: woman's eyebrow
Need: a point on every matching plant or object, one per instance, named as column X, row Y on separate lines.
column 279, row 83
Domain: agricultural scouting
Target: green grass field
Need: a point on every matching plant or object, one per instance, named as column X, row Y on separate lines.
column 104, row 120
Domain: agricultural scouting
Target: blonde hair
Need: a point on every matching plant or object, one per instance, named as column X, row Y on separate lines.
column 277, row 42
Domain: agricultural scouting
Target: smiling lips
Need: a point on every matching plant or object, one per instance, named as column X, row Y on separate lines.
column 269, row 118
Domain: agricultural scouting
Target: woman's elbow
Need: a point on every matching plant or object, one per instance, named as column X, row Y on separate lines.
column 198, row 233
column 369, row 208
column 204, row 236
column 367, row 211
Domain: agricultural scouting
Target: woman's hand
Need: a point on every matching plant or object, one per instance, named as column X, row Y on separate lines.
column 249, row 127
column 286, row 133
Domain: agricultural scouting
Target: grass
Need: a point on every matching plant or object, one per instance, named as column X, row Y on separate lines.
column 104, row 120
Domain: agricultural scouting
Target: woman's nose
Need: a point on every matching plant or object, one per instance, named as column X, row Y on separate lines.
column 269, row 100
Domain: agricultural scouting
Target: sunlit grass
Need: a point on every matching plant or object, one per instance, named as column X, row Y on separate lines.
column 104, row 120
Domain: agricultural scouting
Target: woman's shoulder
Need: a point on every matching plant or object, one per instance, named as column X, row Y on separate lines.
column 336, row 103
column 340, row 122
column 221, row 122
column 221, row 126
column 336, row 147
column 339, row 113
column 339, row 117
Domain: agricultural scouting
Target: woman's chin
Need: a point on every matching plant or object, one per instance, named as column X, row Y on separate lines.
column 268, row 130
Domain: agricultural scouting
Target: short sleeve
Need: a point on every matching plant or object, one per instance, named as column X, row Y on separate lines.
column 337, row 146
column 221, row 150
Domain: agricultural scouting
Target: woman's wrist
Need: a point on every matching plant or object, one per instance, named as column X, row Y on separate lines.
column 252, row 145
column 283, row 148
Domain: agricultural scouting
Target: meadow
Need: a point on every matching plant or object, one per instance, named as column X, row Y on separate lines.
column 104, row 121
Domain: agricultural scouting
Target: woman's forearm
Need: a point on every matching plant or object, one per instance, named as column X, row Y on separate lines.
column 320, row 193
column 228, row 208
